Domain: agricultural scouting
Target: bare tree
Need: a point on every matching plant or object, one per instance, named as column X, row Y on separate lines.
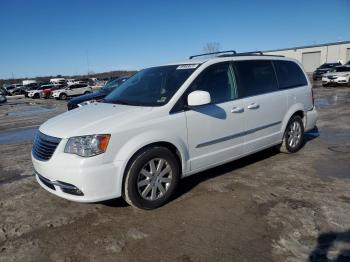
column 211, row 47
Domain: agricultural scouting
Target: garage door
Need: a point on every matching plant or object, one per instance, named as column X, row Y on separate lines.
column 311, row 61
column 347, row 55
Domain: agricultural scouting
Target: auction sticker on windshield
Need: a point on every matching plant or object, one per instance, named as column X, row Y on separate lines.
column 193, row 66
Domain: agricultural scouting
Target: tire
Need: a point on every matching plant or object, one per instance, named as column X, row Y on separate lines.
column 63, row 96
column 36, row 96
column 294, row 131
column 87, row 92
column 140, row 195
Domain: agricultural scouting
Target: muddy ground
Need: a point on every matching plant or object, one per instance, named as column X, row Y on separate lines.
column 265, row 207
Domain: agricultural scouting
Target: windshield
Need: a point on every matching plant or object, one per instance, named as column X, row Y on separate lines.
column 110, row 86
column 154, row 86
column 341, row 69
column 328, row 65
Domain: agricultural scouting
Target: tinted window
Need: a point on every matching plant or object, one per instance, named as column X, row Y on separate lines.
column 255, row 77
column 289, row 74
column 218, row 81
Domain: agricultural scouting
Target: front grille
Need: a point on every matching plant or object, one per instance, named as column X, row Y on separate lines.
column 44, row 146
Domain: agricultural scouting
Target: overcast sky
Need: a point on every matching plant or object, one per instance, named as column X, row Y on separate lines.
column 67, row 37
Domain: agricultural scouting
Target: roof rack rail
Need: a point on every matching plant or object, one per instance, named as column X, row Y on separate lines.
column 250, row 53
column 214, row 53
column 243, row 54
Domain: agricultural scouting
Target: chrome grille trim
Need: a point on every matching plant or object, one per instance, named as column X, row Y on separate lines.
column 44, row 146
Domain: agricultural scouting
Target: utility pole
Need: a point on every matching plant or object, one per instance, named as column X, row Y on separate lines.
column 87, row 61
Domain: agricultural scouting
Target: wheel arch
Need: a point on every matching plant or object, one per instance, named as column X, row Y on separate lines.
column 176, row 149
column 175, row 144
column 297, row 109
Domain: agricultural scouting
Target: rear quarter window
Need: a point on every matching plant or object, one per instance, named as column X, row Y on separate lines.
column 289, row 74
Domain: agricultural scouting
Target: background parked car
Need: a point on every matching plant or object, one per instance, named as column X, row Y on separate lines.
column 322, row 69
column 47, row 92
column 23, row 90
column 339, row 75
column 12, row 89
column 3, row 91
column 96, row 96
column 72, row 90
column 2, row 97
column 36, row 93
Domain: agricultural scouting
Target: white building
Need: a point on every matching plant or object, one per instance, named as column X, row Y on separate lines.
column 313, row 56
column 57, row 80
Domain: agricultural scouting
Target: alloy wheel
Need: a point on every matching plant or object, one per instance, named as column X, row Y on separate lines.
column 154, row 179
column 294, row 134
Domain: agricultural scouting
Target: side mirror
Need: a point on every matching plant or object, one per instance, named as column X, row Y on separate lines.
column 198, row 98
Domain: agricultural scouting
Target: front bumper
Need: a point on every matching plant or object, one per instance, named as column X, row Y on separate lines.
column 311, row 119
column 95, row 180
column 338, row 80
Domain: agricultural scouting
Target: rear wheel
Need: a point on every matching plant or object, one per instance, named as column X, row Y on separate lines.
column 293, row 136
column 36, row 96
column 151, row 178
column 63, row 96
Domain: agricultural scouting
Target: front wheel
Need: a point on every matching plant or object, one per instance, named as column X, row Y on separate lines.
column 63, row 96
column 151, row 179
column 293, row 136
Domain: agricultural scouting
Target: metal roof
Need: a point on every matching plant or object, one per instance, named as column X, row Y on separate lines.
column 309, row 46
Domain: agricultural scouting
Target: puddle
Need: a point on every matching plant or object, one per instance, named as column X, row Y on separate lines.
column 338, row 168
column 340, row 149
column 17, row 135
column 32, row 111
column 328, row 101
column 335, row 137
column 331, row 136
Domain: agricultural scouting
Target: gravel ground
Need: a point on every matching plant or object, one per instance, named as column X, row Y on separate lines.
column 265, row 207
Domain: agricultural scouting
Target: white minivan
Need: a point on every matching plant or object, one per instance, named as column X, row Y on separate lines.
column 171, row 121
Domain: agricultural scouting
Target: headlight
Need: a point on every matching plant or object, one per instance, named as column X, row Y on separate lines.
column 87, row 146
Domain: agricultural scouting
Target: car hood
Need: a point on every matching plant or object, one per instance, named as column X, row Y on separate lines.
column 337, row 73
column 95, row 118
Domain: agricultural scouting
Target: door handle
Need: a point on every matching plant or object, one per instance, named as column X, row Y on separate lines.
column 253, row 106
column 237, row 109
